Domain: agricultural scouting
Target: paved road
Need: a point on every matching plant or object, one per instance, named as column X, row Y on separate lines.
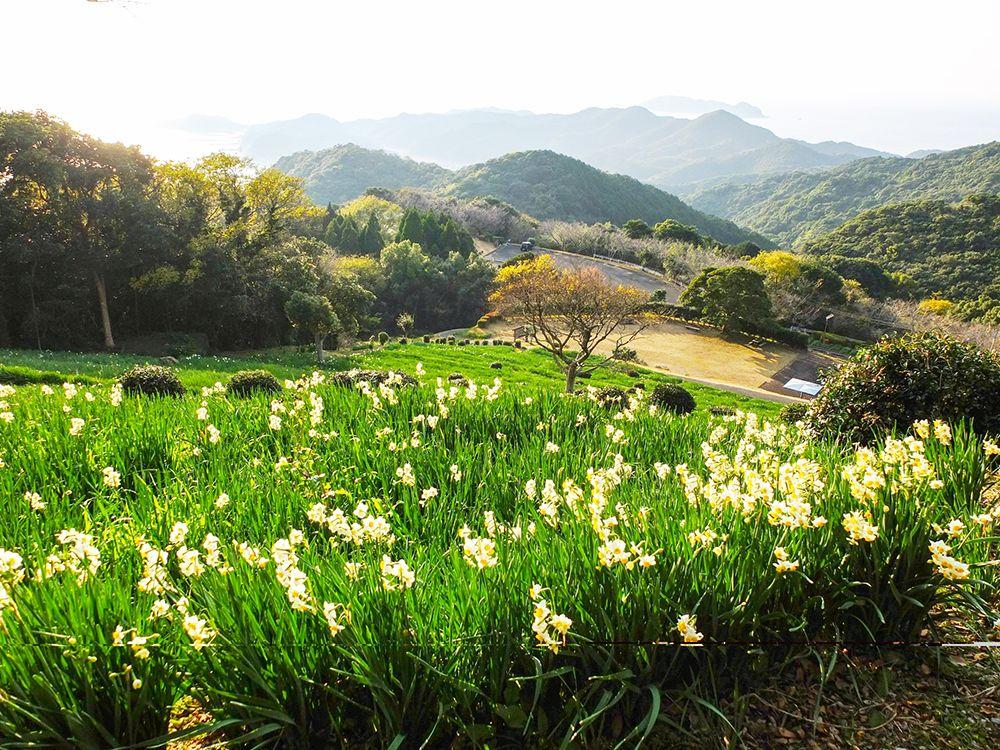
column 618, row 274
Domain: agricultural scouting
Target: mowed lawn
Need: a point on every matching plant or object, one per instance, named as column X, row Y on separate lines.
column 532, row 369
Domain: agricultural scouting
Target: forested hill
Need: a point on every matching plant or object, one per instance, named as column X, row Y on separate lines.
column 950, row 250
column 342, row 173
column 548, row 185
column 801, row 206
column 543, row 184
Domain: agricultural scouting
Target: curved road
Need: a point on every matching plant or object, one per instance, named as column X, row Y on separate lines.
column 617, row 273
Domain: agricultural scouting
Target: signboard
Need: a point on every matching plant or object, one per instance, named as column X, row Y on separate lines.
column 803, row 386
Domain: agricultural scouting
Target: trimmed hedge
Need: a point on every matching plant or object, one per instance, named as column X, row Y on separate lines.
column 673, row 398
column 250, row 382
column 151, row 380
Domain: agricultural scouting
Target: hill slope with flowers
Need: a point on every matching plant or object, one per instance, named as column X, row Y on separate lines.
column 383, row 559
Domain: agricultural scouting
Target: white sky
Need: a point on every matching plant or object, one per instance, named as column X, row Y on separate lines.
column 892, row 74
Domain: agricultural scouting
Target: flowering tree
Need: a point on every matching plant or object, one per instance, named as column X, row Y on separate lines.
column 570, row 313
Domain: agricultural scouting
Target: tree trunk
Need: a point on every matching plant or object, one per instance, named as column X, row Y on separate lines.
column 571, row 371
column 320, row 354
column 102, row 300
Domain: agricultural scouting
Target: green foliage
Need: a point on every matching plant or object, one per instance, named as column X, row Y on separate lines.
column 151, row 380
column 548, row 185
column 947, row 250
column 251, row 382
column 793, row 413
column 517, row 259
column 805, row 205
column 672, row 398
column 727, row 297
column 897, row 381
column 342, row 173
column 371, row 240
column 637, row 229
column 870, row 275
column 439, row 292
column 669, row 229
column 437, row 234
column 17, row 375
column 312, row 313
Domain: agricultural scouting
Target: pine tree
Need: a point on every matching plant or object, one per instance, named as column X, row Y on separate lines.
column 371, row 240
column 350, row 237
column 333, row 230
column 411, row 228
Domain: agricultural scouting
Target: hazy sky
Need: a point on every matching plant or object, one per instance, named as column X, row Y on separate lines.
column 896, row 75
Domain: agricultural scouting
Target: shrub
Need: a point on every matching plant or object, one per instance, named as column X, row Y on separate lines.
column 897, row 381
column 671, row 397
column 383, row 338
column 250, row 382
column 612, row 397
column 427, row 339
column 458, row 379
column 496, row 366
column 793, row 413
column 639, row 385
column 402, row 340
column 375, row 377
column 721, row 411
column 151, row 380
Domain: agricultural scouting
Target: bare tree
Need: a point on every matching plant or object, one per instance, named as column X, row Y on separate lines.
column 570, row 314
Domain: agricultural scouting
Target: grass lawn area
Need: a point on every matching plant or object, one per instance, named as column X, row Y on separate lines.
column 531, row 369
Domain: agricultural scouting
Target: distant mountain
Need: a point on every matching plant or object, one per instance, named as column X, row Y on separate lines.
column 342, row 173
column 544, row 184
column 800, row 206
column 207, row 124
column 685, row 105
column 669, row 152
column 548, row 185
column 948, row 249
column 922, row 152
column 269, row 141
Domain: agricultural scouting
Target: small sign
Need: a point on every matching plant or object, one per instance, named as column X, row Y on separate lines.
column 803, row 386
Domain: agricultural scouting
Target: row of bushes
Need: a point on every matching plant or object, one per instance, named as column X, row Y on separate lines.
column 155, row 380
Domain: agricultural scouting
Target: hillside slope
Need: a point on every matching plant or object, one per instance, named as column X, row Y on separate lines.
column 949, row 249
column 548, row 185
column 342, row 173
column 800, row 206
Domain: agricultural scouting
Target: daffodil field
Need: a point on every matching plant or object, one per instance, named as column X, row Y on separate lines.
column 395, row 565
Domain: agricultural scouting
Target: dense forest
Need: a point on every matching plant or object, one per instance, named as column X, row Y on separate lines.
column 342, row 173
column 99, row 244
column 947, row 250
column 804, row 205
column 548, row 185
column 543, row 184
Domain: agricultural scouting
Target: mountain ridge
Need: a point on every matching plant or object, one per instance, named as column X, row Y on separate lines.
column 798, row 206
column 668, row 152
column 542, row 183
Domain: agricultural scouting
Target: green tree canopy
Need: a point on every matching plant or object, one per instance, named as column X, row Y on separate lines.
column 727, row 297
